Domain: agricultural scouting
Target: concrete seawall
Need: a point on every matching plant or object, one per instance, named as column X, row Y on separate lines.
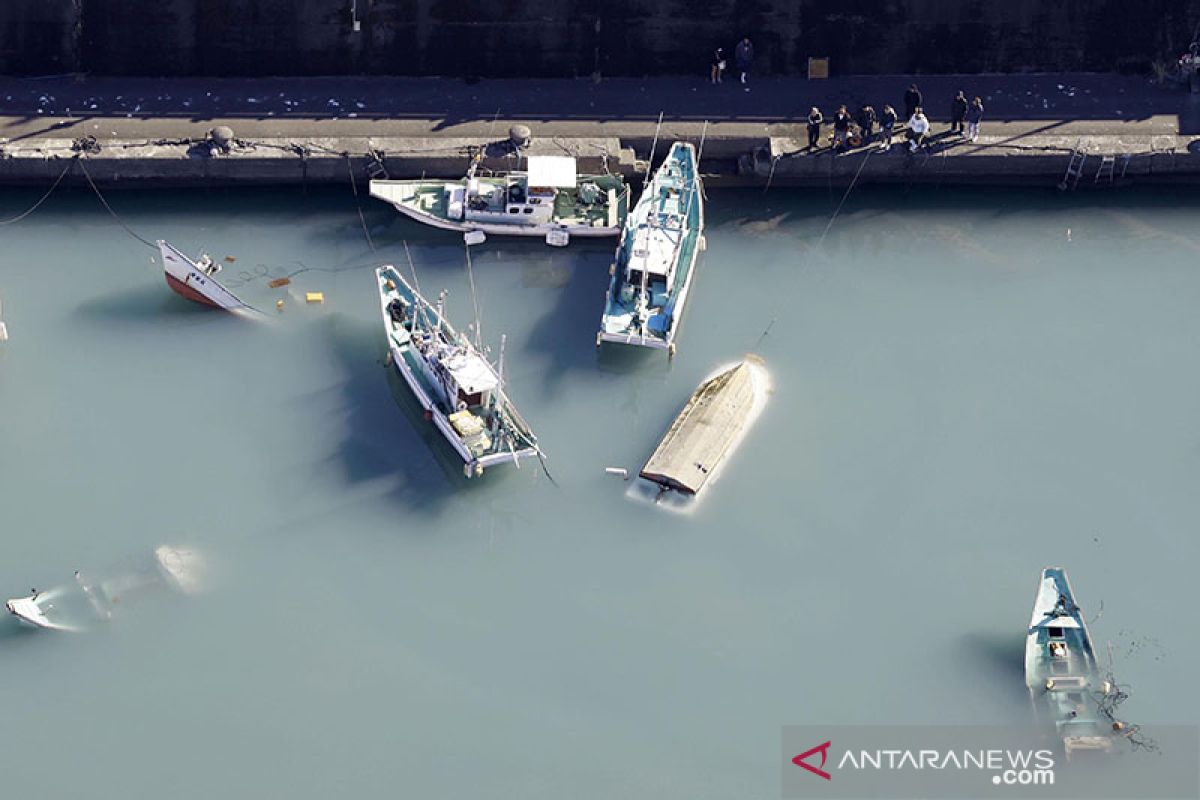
column 139, row 132
column 746, row 160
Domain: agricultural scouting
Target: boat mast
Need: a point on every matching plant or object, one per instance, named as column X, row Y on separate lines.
column 421, row 315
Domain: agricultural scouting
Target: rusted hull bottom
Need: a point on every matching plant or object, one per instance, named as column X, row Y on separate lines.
column 183, row 290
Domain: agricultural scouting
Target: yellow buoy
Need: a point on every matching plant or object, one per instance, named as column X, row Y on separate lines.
column 279, row 305
column 314, row 297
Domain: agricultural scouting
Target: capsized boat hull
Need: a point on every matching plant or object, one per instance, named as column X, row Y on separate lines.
column 706, row 430
column 188, row 280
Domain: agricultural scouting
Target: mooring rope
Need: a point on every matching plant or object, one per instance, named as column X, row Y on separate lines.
column 104, row 202
column 846, row 194
column 358, row 202
column 44, row 197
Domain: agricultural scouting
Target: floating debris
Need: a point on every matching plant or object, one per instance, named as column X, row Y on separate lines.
column 618, row 471
column 275, row 284
column 314, row 297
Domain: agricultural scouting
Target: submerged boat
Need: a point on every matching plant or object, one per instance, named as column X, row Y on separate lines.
column 704, row 431
column 197, row 280
column 75, row 607
column 461, row 392
column 548, row 199
column 657, row 256
column 1061, row 671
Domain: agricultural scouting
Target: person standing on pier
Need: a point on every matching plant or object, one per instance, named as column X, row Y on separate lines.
column 887, row 122
column 718, row 64
column 841, row 128
column 814, row 127
column 958, row 112
column 866, row 121
column 743, row 54
column 912, row 101
column 974, row 117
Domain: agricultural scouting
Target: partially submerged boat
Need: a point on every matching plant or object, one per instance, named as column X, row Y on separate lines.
column 1061, row 671
column 548, row 199
column 459, row 389
column 656, row 256
column 76, row 607
column 703, row 433
column 197, row 280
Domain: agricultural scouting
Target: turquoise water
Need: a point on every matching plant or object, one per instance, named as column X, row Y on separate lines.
column 967, row 386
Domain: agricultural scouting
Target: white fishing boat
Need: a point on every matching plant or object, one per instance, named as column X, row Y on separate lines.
column 77, row 606
column 1061, row 671
column 459, row 389
column 548, row 199
column 656, row 256
column 197, row 280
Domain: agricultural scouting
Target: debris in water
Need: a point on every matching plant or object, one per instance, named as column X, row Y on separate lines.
column 620, row 471
column 275, row 284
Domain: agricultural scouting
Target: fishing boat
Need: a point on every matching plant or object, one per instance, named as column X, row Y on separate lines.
column 459, row 389
column 74, row 607
column 656, row 257
column 548, row 199
column 197, row 280
column 1061, row 671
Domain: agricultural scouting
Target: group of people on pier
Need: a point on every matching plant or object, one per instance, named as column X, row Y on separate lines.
column 858, row 130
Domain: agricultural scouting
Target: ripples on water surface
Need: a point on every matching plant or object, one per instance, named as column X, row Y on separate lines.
column 963, row 394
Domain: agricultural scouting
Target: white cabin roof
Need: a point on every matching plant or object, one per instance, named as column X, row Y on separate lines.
column 470, row 371
column 556, row 172
column 652, row 251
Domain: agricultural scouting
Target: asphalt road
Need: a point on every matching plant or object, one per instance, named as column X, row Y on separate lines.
column 149, row 108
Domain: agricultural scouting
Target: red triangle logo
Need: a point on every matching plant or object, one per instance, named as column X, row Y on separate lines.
column 823, row 749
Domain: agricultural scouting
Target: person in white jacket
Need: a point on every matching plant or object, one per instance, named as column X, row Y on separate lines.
column 918, row 129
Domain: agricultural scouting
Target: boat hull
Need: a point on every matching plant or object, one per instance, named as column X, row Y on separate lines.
column 187, row 280
column 494, row 229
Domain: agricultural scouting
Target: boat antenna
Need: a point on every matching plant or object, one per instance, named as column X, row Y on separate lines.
column 654, row 145
column 474, row 297
column 416, row 284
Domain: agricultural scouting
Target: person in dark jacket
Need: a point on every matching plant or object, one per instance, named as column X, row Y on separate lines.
column 974, row 117
column 841, row 128
column 743, row 54
column 912, row 100
column 958, row 113
column 814, row 126
column 887, row 122
column 866, row 121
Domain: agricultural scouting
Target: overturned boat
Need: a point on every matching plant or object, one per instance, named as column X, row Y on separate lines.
column 76, row 607
column 1061, row 671
column 657, row 256
column 704, row 432
column 460, row 391
column 548, row 199
column 197, row 280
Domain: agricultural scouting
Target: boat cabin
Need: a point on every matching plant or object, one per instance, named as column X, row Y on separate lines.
column 467, row 379
column 207, row 265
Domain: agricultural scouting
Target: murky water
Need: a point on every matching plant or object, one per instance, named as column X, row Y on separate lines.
column 967, row 387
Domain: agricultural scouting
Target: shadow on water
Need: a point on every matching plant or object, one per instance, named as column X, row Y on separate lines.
column 566, row 333
column 151, row 304
column 998, row 660
column 387, row 434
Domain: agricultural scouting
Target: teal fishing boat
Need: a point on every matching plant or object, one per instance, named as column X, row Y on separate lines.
column 461, row 392
column 656, row 256
column 1061, row 671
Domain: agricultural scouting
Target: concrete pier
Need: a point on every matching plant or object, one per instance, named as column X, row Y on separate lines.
column 151, row 132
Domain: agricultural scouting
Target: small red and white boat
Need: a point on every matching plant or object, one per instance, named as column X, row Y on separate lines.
column 197, row 280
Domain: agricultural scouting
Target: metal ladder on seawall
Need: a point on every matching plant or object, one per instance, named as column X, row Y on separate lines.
column 1105, row 171
column 375, row 165
column 1074, row 169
